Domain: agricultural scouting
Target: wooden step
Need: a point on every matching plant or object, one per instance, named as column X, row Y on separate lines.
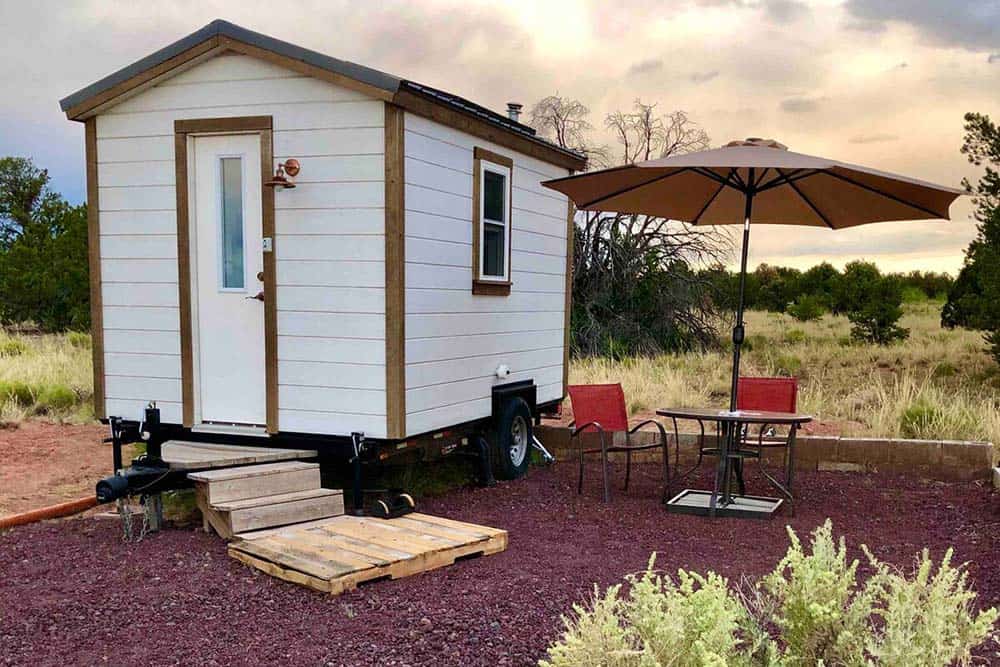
column 185, row 455
column 269, row 479
column 239, row 516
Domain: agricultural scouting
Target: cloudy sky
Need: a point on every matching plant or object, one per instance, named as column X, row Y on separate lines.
column 878, row 82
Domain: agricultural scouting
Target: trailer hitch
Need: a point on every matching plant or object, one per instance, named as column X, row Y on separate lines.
column 148, row 474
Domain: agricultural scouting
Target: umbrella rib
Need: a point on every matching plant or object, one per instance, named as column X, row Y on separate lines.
column 808, row 201
column 894, row 198
column 632, row 187
column 694, row 221
column 790, row 177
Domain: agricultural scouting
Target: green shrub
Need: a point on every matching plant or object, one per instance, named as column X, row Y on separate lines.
column 945, row 370
column 795, row 336
column 19, row 393
column 787, row 364
column 918, row 419
column 806, row 308
column 56, row 397
column 914, row 295
column 79, row 339
column 12, row 347
column 813, row 609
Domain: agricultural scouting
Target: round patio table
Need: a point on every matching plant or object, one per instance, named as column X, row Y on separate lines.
column 729, row 428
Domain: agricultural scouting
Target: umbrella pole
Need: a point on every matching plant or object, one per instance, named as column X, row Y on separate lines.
column 738, row 330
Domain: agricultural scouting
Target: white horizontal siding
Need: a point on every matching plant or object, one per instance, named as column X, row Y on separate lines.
column 143, row 365
column 328, row 245
column 244, row 91
column 455, row 340
column 325, row 374
column 335, row 399
column 333, row 247
column 162, row 271
column 139, row 294
column 115, row 223
column 369, row 326
column 331, row 423
column 286, row 115
column 444, row 372
column 332, row 273
column 362, row 352
column 460, row 391
column 171, row 412
column 330, row 222
column 141, row 341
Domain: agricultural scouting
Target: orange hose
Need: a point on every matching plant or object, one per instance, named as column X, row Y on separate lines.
column 50, row 512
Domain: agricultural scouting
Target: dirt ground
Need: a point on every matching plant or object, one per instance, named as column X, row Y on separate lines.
column 44, row 463
column 82, row 596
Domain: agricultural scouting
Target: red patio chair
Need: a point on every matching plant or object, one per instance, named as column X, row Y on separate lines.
column 768, row 394
column 600, row 408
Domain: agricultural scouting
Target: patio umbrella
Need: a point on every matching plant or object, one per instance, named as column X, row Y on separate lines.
column 759, row 181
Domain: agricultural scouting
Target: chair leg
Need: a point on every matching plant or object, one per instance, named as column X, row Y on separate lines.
column 579, row 483
column 666, row 471
column 739, row 477
column 604, row 469
column 628, row 467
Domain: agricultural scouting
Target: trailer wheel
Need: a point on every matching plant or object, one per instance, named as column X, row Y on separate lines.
column 513, row 439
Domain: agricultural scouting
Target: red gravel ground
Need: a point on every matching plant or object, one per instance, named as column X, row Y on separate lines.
column 72, row 593
column 43, row 464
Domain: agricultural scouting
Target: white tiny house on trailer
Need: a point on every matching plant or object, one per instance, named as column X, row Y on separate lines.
column 415, row 266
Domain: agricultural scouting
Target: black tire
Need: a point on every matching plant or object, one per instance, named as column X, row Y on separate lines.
column 512, row 439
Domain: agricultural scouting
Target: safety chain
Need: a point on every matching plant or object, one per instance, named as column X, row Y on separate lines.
column 127, row 515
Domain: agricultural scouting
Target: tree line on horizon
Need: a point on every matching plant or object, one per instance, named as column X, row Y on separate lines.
column 641, row 284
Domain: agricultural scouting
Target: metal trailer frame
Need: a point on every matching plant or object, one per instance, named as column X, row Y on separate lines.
column 149, row 474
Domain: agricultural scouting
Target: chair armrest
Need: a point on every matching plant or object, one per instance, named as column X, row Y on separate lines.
column 576, row 431
column 659, row 426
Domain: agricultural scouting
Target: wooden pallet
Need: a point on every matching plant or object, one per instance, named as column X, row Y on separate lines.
column 336, row 554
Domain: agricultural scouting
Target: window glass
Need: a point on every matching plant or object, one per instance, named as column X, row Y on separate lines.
column 232, row 223
column 494, row 195
column 494, row 247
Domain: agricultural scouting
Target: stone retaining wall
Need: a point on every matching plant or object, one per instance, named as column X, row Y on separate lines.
column 945, row 460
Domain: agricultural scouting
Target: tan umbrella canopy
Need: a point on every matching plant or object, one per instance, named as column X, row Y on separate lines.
column 756, row 180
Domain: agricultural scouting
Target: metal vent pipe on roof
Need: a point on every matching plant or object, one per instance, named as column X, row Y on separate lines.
column 514, row 111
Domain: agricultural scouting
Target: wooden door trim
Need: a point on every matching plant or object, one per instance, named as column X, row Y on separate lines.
column 183, row 129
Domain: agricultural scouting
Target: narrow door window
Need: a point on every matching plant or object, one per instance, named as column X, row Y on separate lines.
column 231, row 245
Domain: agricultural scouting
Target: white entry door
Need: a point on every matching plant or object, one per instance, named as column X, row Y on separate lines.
column 226, row 261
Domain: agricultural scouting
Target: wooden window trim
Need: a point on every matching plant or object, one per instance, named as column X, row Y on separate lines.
column 483, row 286
column 183, row 129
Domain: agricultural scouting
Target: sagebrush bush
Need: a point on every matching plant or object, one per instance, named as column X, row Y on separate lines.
column 18, row 393
column 55, row 398
column 813, row 609
column 12, row 347
column 79, row 339
column 806, row 308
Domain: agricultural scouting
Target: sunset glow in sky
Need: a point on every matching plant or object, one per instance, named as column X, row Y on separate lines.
column 882, row 83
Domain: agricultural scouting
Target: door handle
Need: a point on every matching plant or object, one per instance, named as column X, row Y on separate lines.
column 259, row 296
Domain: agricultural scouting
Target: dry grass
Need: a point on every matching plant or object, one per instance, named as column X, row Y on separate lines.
column 46, row 375
column 938, row 384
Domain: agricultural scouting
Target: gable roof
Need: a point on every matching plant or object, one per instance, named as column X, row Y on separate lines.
column 220, row 35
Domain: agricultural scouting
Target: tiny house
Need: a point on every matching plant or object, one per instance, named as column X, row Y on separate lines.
column 284, row 245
